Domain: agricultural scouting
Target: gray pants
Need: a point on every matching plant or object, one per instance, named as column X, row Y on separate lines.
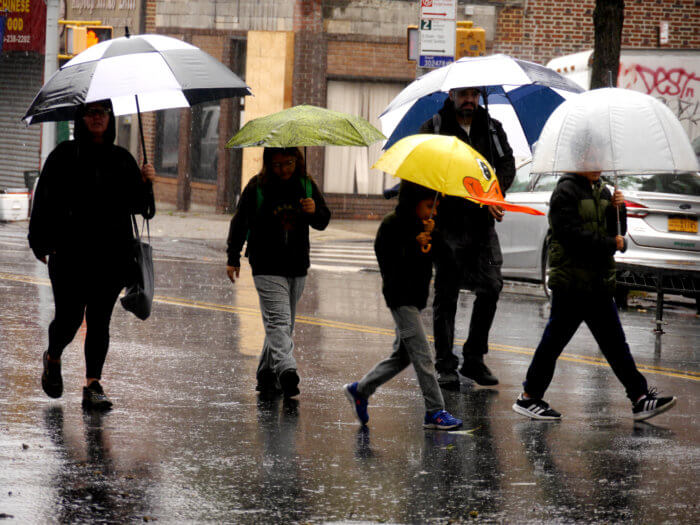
column 410, row 347
column 278, row 301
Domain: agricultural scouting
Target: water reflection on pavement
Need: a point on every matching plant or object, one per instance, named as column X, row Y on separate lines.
column 190, row 441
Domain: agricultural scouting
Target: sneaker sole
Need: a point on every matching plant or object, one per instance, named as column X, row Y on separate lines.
column 433, row 426
column 351, row 399
column 524, row 412
column 106, row 405
column 648, row 415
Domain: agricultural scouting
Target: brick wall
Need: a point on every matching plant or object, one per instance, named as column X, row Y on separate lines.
column 549, row 28
column 376, row 59
column 344, row 206
column 150, row 22
column 309, row 79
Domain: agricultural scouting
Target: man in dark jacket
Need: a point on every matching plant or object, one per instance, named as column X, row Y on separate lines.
column 472, row 258
column 583, row 239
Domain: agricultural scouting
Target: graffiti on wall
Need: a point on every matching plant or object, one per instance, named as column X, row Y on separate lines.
column 677, row 86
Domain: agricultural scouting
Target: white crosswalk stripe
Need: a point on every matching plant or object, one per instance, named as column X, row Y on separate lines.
column 344, row 256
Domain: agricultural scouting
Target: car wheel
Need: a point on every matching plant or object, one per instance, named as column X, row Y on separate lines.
column 545, row 272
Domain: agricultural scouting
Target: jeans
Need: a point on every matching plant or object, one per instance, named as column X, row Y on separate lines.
column 600, row 314
column 278, row 296
column 477, row 267
column 410, row 347
column 79, row 292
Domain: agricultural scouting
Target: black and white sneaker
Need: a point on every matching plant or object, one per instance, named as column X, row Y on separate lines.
column 650, row 405
column 535, row 409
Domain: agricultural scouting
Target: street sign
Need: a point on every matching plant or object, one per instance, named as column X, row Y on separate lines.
column 434, row 61
column 438, row 9
column 437, row 42
column 437, row 32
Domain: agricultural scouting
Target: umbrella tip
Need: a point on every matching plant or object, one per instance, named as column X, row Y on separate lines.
column 126, row 32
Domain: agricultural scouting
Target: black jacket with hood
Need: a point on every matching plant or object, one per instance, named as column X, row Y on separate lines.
column 85, row 197
column 406, row 270
column 269, row 215
column 458, row 216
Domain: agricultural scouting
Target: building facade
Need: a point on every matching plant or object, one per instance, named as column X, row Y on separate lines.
column 342, row 54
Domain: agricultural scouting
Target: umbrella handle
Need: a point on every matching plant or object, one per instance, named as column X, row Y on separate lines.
column 143, row 142
column 426, row 247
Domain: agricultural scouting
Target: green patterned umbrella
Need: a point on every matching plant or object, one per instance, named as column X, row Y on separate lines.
column 306, row 126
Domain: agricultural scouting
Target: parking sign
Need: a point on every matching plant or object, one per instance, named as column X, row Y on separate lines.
column 437, row 32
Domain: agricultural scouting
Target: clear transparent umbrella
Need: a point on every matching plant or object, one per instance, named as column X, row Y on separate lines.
column 613, row 130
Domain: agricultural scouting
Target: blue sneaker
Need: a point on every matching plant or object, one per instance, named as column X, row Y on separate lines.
column 358, row 402
column 441, row 420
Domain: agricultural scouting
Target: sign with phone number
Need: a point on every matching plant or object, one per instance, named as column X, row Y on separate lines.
column 25, row 25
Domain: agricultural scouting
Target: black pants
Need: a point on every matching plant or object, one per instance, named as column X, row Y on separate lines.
column 477, row 267
column 600, row 314
column 83, row 291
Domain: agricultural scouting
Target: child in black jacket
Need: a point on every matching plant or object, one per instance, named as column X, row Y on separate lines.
column 405, row 261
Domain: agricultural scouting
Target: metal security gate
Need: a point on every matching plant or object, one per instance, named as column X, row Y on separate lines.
column 21, row 76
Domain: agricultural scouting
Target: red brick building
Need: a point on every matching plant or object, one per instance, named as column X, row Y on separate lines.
column 351, row 56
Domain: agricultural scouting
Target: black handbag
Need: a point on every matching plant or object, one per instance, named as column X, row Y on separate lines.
column 138, row 298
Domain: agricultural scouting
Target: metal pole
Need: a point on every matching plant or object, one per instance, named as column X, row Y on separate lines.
column 48, row 129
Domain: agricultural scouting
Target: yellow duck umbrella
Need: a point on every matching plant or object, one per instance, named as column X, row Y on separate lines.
column 447, row 165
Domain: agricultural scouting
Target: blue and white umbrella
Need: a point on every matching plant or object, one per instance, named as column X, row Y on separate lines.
column 520, row 94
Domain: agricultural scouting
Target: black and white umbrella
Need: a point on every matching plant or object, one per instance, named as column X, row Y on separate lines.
column 137, row 73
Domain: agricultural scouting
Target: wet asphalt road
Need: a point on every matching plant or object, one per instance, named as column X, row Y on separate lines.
column 189, row 440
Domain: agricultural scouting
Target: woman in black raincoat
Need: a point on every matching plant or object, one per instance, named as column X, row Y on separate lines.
column 81, row 224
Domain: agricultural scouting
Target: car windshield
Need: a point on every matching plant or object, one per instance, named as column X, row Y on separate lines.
column 683, row 184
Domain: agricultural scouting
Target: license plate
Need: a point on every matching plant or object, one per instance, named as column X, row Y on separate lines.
column 683, row 224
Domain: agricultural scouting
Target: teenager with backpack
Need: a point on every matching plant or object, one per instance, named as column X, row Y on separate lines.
column 274, row 213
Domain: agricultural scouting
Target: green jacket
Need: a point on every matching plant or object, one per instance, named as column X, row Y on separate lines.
column 582, row 230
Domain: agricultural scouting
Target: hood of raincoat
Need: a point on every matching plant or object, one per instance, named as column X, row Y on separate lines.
column 410, row 194
column 80, row 130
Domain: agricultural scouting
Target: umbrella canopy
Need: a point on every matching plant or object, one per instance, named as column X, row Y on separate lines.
column 162, row 72
column 446, row 165
column 520, row 94
column 615, row 130
column 306, row 126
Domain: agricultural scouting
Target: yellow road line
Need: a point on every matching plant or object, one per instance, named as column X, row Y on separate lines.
column 340, row 325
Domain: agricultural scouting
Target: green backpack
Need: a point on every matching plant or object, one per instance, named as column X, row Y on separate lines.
column 305, row 184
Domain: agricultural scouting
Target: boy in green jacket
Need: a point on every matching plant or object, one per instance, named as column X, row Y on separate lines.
column 583, row 240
